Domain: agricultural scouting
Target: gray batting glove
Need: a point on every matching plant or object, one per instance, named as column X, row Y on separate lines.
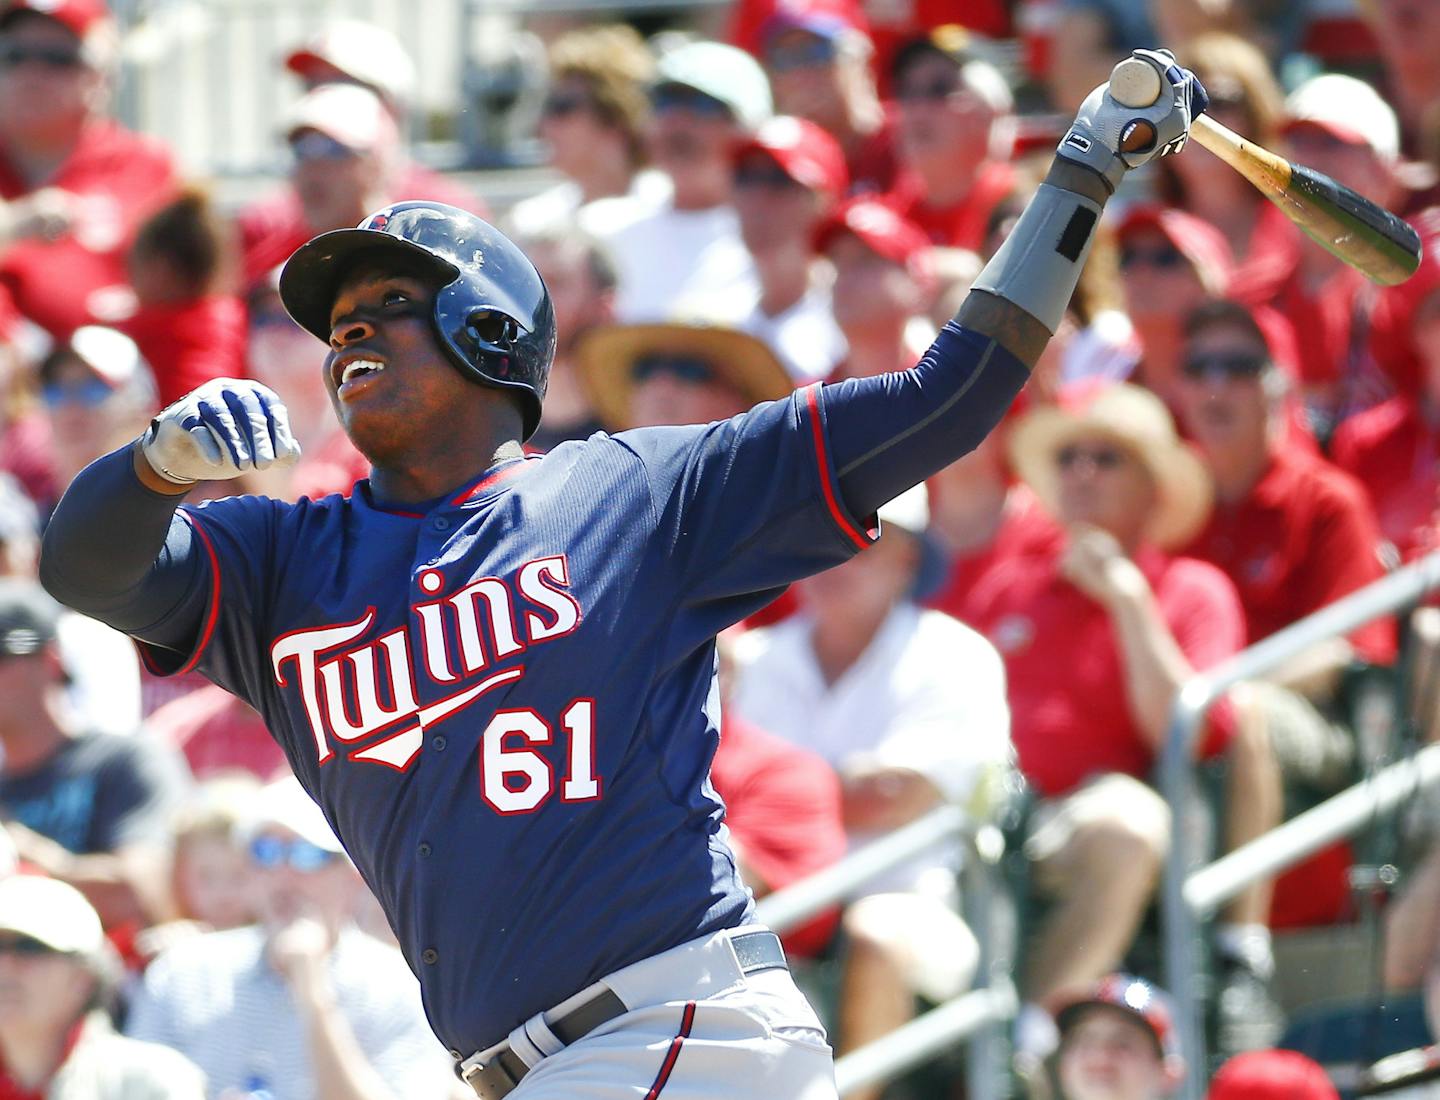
column 218, row 431
column 1111, row 138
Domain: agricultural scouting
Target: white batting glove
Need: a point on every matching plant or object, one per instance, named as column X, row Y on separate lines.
column 1112, row 138
column 218, row 431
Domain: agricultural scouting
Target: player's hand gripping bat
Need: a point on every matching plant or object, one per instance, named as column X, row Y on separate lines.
column 1363, row 234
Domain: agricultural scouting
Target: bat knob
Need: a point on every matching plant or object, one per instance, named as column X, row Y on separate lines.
column 1137, row 137
column 1135, row 83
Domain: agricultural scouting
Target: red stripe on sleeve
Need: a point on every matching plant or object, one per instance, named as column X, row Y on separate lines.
column 672, row 1055
column 812, row 401
column 209, row 628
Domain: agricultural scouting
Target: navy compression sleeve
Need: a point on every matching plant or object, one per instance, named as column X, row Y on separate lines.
column 893, row 431
column 116, row 550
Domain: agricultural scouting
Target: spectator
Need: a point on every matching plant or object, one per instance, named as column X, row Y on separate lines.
column 1098, row 636
column 644, row 375
column 1118, row 1042
column 57, row 973
column 1293, row 534
column 1339, row 126
column 188, row 324
column 90, row 809
column 884, row 279
column 1409, row 40
column 787, row 179
column 955, row 134
column 909, row 707
column 581, row 278
column 1271, row 1075
column 1245, row 96
column 73, row 184
column 706, row 98
column 818, row 57
column 593, row 123
column 325, row 1010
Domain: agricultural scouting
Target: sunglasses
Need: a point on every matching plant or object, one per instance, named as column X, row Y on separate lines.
column 1101, row 458
column 1165, row 258
column 1235, row 364
column 560, row 105
column 15, row 54
column 676, row 97
column 25, row 947
column 270, row 852
column 769, row 176
column 313, row 145
column 801, row 55
column 936, row 91
column 89, row 394
column 687, row 368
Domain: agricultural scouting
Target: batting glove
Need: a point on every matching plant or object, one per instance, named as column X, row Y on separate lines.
column 1111, row 138
column 218, row 431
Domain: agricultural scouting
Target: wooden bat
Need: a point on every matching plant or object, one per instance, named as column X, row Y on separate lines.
column 1361, row 233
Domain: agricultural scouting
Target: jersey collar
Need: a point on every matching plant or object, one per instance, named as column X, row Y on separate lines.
column 485, row 486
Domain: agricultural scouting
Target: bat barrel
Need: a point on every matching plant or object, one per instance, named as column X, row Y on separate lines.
column 1358, row 231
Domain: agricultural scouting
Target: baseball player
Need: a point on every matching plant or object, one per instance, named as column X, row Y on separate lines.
column 495, row 673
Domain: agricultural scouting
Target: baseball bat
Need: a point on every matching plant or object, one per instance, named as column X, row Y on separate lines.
column 1363, row 234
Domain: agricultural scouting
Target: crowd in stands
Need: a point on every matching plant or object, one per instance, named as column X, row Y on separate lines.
column 1231, row 430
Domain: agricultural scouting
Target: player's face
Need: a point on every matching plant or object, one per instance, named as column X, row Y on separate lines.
column 391, row 385
column 1106, row 1056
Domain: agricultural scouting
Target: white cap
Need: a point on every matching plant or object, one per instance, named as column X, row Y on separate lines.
column 352, row 115
column 1348, row 108
column 364, row 52
column 910, row 511
column 722, row 72
column 109, row 353
column 52, row 912
column 286, row 804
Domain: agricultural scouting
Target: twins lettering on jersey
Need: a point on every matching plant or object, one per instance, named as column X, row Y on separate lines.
column 352, row 692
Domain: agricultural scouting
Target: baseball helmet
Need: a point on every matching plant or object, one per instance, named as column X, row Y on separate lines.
column 492, row 313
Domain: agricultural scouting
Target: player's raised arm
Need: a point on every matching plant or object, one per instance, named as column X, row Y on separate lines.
column 115, row 549
column 931, row 415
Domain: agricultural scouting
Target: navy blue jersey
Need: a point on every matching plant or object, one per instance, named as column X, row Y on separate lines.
column 505, row 703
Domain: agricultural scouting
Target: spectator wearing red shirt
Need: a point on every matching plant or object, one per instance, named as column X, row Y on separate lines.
column 956, row 133
column 884, row 282
column 1098, row 637
column 73, row 184
column 817, row 54
column 1294, row 534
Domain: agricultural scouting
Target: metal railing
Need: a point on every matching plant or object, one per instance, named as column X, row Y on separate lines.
column 965, row 1017
column 1186, row 895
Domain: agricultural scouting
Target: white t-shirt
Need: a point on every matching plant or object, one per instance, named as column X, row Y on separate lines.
column 561, row 204
column 805, row 336
column 668, row 258
column 927, row 694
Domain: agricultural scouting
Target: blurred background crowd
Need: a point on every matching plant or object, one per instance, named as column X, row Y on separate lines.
column 1231, row 431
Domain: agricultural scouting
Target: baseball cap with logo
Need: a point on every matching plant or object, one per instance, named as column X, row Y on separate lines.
column 52, row 912
column 1134, row 996
column 78, row 16
column 1348, row 109
column 367, row 54
column 807, row 153
column 722, row 72
column 885, row 232
column 28, row 618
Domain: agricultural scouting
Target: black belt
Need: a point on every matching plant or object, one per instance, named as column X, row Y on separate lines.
column 499, row 1076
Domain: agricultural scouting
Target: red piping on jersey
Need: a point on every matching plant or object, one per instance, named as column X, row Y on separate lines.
column 214, row 612
column 812, row 400
column 672, row 1055
column 484, row 483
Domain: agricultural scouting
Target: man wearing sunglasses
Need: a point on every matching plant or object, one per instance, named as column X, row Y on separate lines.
column 57, row 981
column 302, row 1005
column 74, row 185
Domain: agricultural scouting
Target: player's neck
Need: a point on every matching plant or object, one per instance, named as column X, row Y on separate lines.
column 421, row 477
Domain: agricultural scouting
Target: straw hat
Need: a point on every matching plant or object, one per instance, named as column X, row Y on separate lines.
column 606, row 358
column 1138, row 421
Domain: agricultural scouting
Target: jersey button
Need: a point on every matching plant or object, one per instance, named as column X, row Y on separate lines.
column 438, row 742
column 425, row 848
column 429, row 956
column 441, row 523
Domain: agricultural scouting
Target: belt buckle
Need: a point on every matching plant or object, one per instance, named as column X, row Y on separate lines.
column 490, row 1080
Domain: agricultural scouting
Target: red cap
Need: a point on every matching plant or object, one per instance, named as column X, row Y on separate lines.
column 826, row 18
column 807, row 153
column 1271, row 1075
column 1136, row 996
column 885, row 232
column 77, row 15
column 1198, row 241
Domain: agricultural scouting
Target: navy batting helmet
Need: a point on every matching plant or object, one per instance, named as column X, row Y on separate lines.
column 492, row 312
